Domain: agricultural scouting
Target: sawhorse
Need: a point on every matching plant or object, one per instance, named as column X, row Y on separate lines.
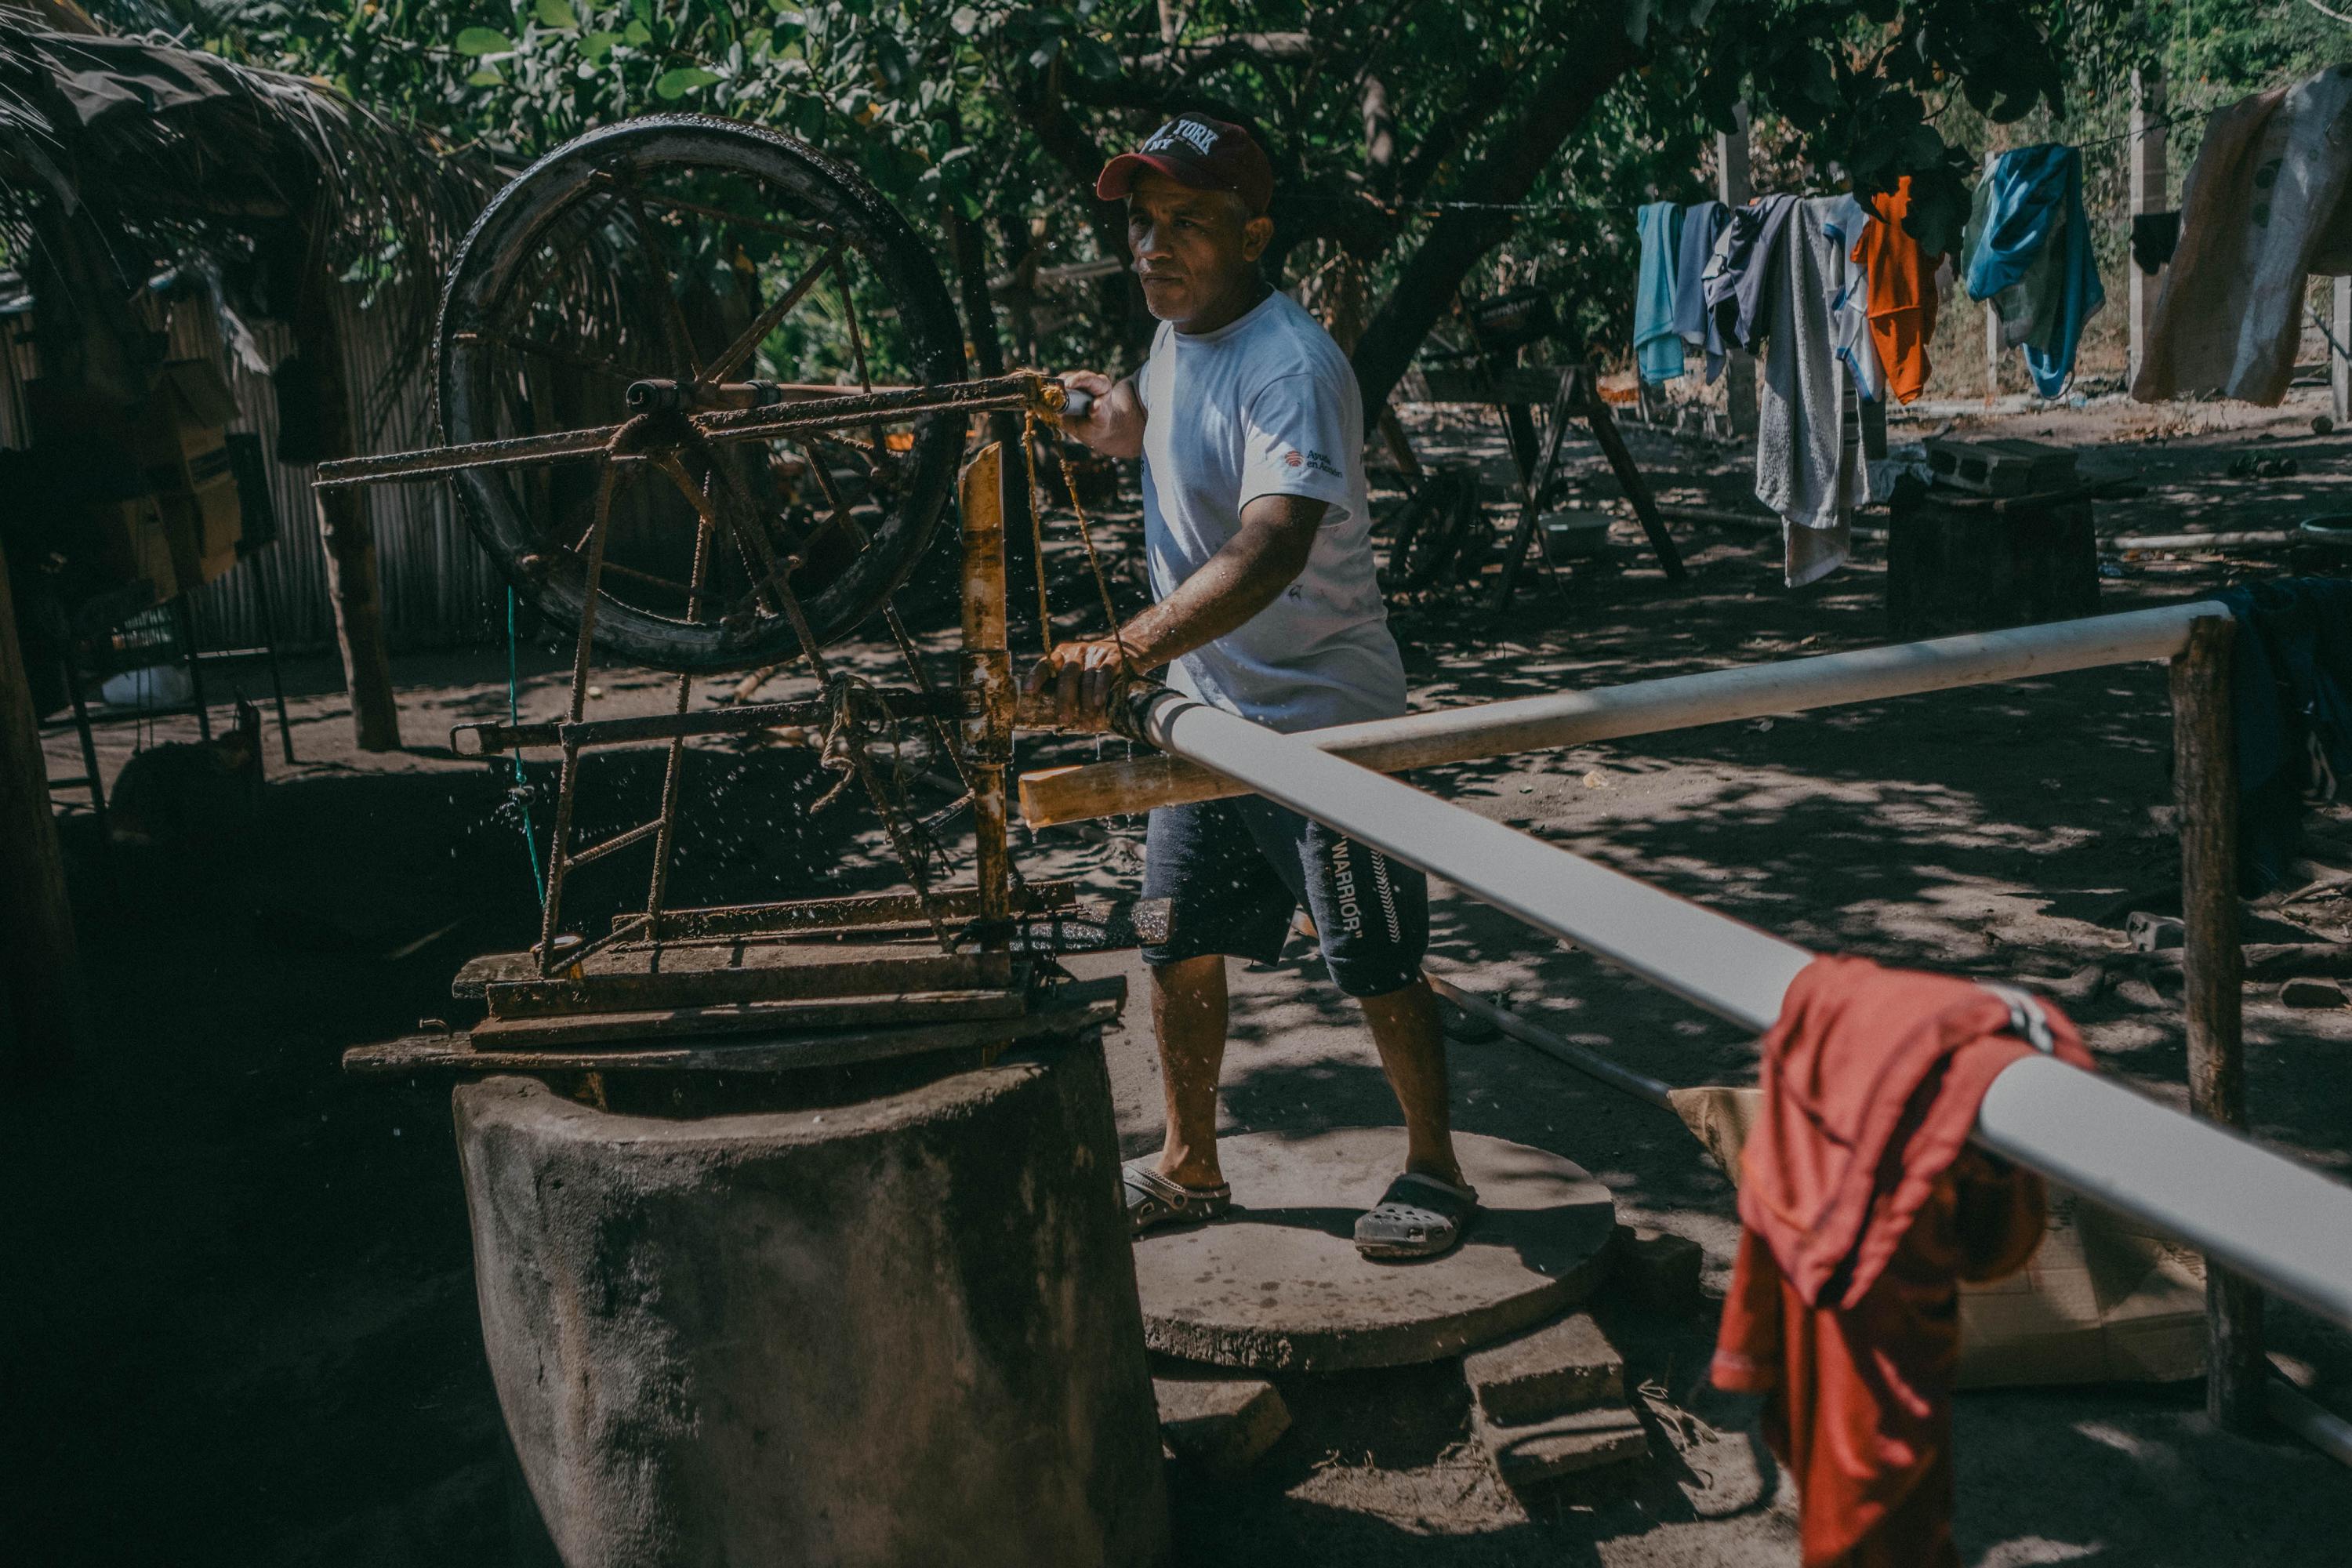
column 1570, row 393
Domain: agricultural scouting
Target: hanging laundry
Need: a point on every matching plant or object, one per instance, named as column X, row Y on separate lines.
column 2155, row 237
column 1861, row 1209
column 2263, row 208
column 1657, row 350
column 1702, row 225
column 1773, row 277
column 1844, row 223
column 1900, row 280
column 2291, row 697
column 2029, row 250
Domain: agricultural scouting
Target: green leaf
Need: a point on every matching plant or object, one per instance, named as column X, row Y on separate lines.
column 890, row 59
column 637, row 34
column 1095, row 59
column 483, row 41
column 556, row 13
column 672, row 85
column 489, row 76
column 596, row 46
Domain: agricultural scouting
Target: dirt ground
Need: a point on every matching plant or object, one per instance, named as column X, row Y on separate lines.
column 247, row 1330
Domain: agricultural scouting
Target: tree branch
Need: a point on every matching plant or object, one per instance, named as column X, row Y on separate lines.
column 1453, row 127
column 1207, row 54
column 1430, row 280
column 1379, row 140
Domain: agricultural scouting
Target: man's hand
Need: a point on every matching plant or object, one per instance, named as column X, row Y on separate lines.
column 1114, row 426
column 1082, row 676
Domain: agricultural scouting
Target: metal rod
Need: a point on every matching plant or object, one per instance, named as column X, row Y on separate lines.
column 567, row 786
column 1646, row 706
column 777, row 422
column 2269, row 1218
column 1592, row 1064
column 674, row 766
column 615, row 844
column 2205, row 781
column 2322, row 1428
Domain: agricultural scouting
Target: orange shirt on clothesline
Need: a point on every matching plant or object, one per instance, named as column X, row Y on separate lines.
column 1900, row 278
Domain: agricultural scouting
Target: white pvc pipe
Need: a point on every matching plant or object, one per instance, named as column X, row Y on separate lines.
column 1647, row 707
column 1717, row 963
column 2271, row 1219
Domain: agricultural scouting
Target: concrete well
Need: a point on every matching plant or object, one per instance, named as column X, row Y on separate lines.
column 901, row 1331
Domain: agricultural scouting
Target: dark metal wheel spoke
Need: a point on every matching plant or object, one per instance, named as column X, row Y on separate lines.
column 674, row 314
column 752, row 336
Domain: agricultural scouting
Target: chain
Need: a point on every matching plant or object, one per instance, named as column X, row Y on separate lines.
column 1036, row 532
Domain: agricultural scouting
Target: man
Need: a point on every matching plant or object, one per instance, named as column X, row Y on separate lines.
column 1248, row 421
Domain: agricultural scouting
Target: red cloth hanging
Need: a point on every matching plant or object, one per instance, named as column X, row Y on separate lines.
column 1861, row 1209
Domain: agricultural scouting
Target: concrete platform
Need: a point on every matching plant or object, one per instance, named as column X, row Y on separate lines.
column 1279, row 1284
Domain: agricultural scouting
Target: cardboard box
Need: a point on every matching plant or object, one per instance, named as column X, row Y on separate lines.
column 182, row 437
column 2104, row 1299
column 203, row 525
column 174, row 441
column 134, row 544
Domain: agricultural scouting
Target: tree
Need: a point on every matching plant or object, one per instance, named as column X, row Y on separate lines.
column 1411, row 139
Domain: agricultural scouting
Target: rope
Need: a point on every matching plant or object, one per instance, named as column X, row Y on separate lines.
column 522, row 795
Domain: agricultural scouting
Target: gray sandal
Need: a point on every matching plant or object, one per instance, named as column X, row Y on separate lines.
column 1153, row 1200
column 1417, row 1217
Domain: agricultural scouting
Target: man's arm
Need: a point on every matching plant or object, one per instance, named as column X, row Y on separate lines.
column 1276, row 536
column 1114, row 426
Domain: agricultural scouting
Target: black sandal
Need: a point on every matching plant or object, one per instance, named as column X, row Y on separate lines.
column 1417, row 1217
column 1153, row 1200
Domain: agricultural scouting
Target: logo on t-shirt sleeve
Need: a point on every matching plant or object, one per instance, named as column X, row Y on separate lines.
column 1315, row 460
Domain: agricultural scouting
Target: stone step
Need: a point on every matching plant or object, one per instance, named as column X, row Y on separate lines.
column 1535, row 1451
column 1565, row 1365
column 1219, row 1424
column 1657, row 1268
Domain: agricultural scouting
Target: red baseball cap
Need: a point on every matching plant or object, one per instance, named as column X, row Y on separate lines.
column 1193, row 149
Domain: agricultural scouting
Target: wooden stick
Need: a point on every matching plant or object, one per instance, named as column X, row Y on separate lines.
column 40, row 989
column 1642, row 708
column 987, row 681
column 2205, row 777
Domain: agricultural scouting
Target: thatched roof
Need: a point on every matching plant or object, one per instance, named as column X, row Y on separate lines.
column 154, row 156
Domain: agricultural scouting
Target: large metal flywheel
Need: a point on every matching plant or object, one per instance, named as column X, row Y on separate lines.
column 669, row 324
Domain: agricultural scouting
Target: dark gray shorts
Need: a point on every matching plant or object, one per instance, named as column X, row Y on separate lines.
column 1234, row 871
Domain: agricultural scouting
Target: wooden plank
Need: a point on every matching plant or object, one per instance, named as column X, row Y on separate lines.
column 861, row 911
column 2205, row 784
column 41, row 1013
column 734, row 1019
column 1081, row 1006
column 1502, row 385
column 1636, row 488
column 853, row 972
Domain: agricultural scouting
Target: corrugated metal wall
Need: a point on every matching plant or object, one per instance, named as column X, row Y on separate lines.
column 439, row 589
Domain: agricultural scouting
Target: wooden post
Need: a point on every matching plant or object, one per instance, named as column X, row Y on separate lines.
column 2339, row 367
column 1734, row 189
column 344, row 527
column 1993, row 322
column 988, row 686
column 40, row 988
column 2149, row 178
column 2205, row 779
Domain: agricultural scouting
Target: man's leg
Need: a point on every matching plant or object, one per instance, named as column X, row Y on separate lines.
column 1188, row 1014
column 1221, row 897
column 1405, row 1027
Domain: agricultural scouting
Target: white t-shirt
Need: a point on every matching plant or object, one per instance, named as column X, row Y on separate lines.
column 1267, row 405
